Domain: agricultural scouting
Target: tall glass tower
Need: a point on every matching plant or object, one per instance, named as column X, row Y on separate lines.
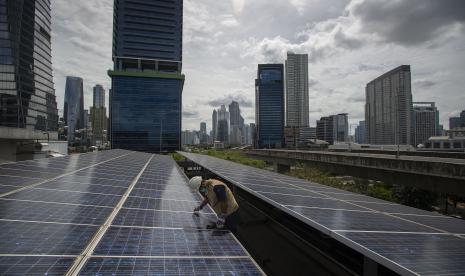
column 27, row 96
column 74, row 106
column 147, row 83
column 269, row 101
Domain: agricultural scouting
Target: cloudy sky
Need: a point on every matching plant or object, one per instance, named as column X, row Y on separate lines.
column 349, row 43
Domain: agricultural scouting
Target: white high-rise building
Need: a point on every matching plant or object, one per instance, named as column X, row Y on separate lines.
column 388, row 108
column 297, row 101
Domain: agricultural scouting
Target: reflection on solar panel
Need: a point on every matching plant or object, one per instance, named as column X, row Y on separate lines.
column 404, row 239
column 113, row 212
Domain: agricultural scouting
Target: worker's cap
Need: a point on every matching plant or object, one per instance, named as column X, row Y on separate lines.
column 195, row 182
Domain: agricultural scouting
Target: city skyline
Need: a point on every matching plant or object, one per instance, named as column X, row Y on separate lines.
column 339, row 63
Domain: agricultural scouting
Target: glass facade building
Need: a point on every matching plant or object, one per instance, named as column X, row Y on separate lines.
column 146, row 94
column 74, row 106
column 98, row 117
column 99, row 96
column 269, row 101
column 27, row 96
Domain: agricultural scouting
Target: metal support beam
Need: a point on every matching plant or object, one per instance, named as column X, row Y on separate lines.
column 370, row 267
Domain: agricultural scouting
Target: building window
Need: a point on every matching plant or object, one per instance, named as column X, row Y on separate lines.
column 437, row 145
column 457, row 145
column 446, row 145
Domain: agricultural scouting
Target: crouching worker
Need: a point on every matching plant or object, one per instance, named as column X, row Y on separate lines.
column 220, row 198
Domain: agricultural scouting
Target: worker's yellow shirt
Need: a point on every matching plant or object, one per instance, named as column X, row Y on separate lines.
column 231, row 204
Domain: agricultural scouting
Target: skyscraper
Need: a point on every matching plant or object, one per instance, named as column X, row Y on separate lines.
column 203, row 133
column 360, row 133
column 462, row 118
column 425, row 122
column 236, row 124
column 28, row 105
column 341, row 127
column 297, row 101
column 99, row 96
column 147, row 83
column 223, row 125
column 269, row 101
column 325, row 129
column 98, row 114
column 215, row 124
column 74, row 106
column 388, row 108
column 454, row 122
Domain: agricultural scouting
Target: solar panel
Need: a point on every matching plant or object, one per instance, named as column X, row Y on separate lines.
column 170, row 219
column 84, row 187
column 160, row 204
column 133, row 205
column 452, row 225
column 131, row 241
column 170, row 266
column 52, row 212
column 66, row 197
column 401, row 235
column 18, row 237
column 421, row 253
column 40, row 265
column 176, row 195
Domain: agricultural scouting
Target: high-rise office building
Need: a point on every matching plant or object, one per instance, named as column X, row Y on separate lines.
column 341, row 127
column 99, row 96
column 360, row 133
column 269, row 101
column 297, row 101
column 203, row 133
column 74, row 106
column 98, row 114
column 454, row 122
column 462, row 118
column 425, row 122
column 223, row 125
column 214, row 125
column 334, row 128
column 236, row 124
column 325, row 129
column 147, row 83
column 388, row 108
column 235, row 113
column 28, row 107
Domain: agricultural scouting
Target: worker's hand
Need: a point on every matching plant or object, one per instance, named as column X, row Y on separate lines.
column 197, row 209
column 220, row 223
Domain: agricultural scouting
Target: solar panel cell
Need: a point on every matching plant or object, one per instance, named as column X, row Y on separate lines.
column 50, row 266
column 171, row 266
column 160, row 204
column 43, row 238
column 66, row 197
column 52, row 212
column 127, row 241
column 152, row 218
column 425, row 254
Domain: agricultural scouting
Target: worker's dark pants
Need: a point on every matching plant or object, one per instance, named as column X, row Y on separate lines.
column 231, row 222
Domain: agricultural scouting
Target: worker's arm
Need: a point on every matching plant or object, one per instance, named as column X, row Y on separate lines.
column 200, row 207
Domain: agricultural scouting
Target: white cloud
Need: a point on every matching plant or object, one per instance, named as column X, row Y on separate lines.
column 225, row 40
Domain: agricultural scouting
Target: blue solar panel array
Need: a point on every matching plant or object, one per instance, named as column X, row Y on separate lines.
column 407, row 240
column 109, row 213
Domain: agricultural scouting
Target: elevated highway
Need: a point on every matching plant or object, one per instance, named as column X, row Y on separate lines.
column 442, row 175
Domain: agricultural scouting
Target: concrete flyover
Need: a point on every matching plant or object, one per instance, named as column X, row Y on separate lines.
column 442, row 175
